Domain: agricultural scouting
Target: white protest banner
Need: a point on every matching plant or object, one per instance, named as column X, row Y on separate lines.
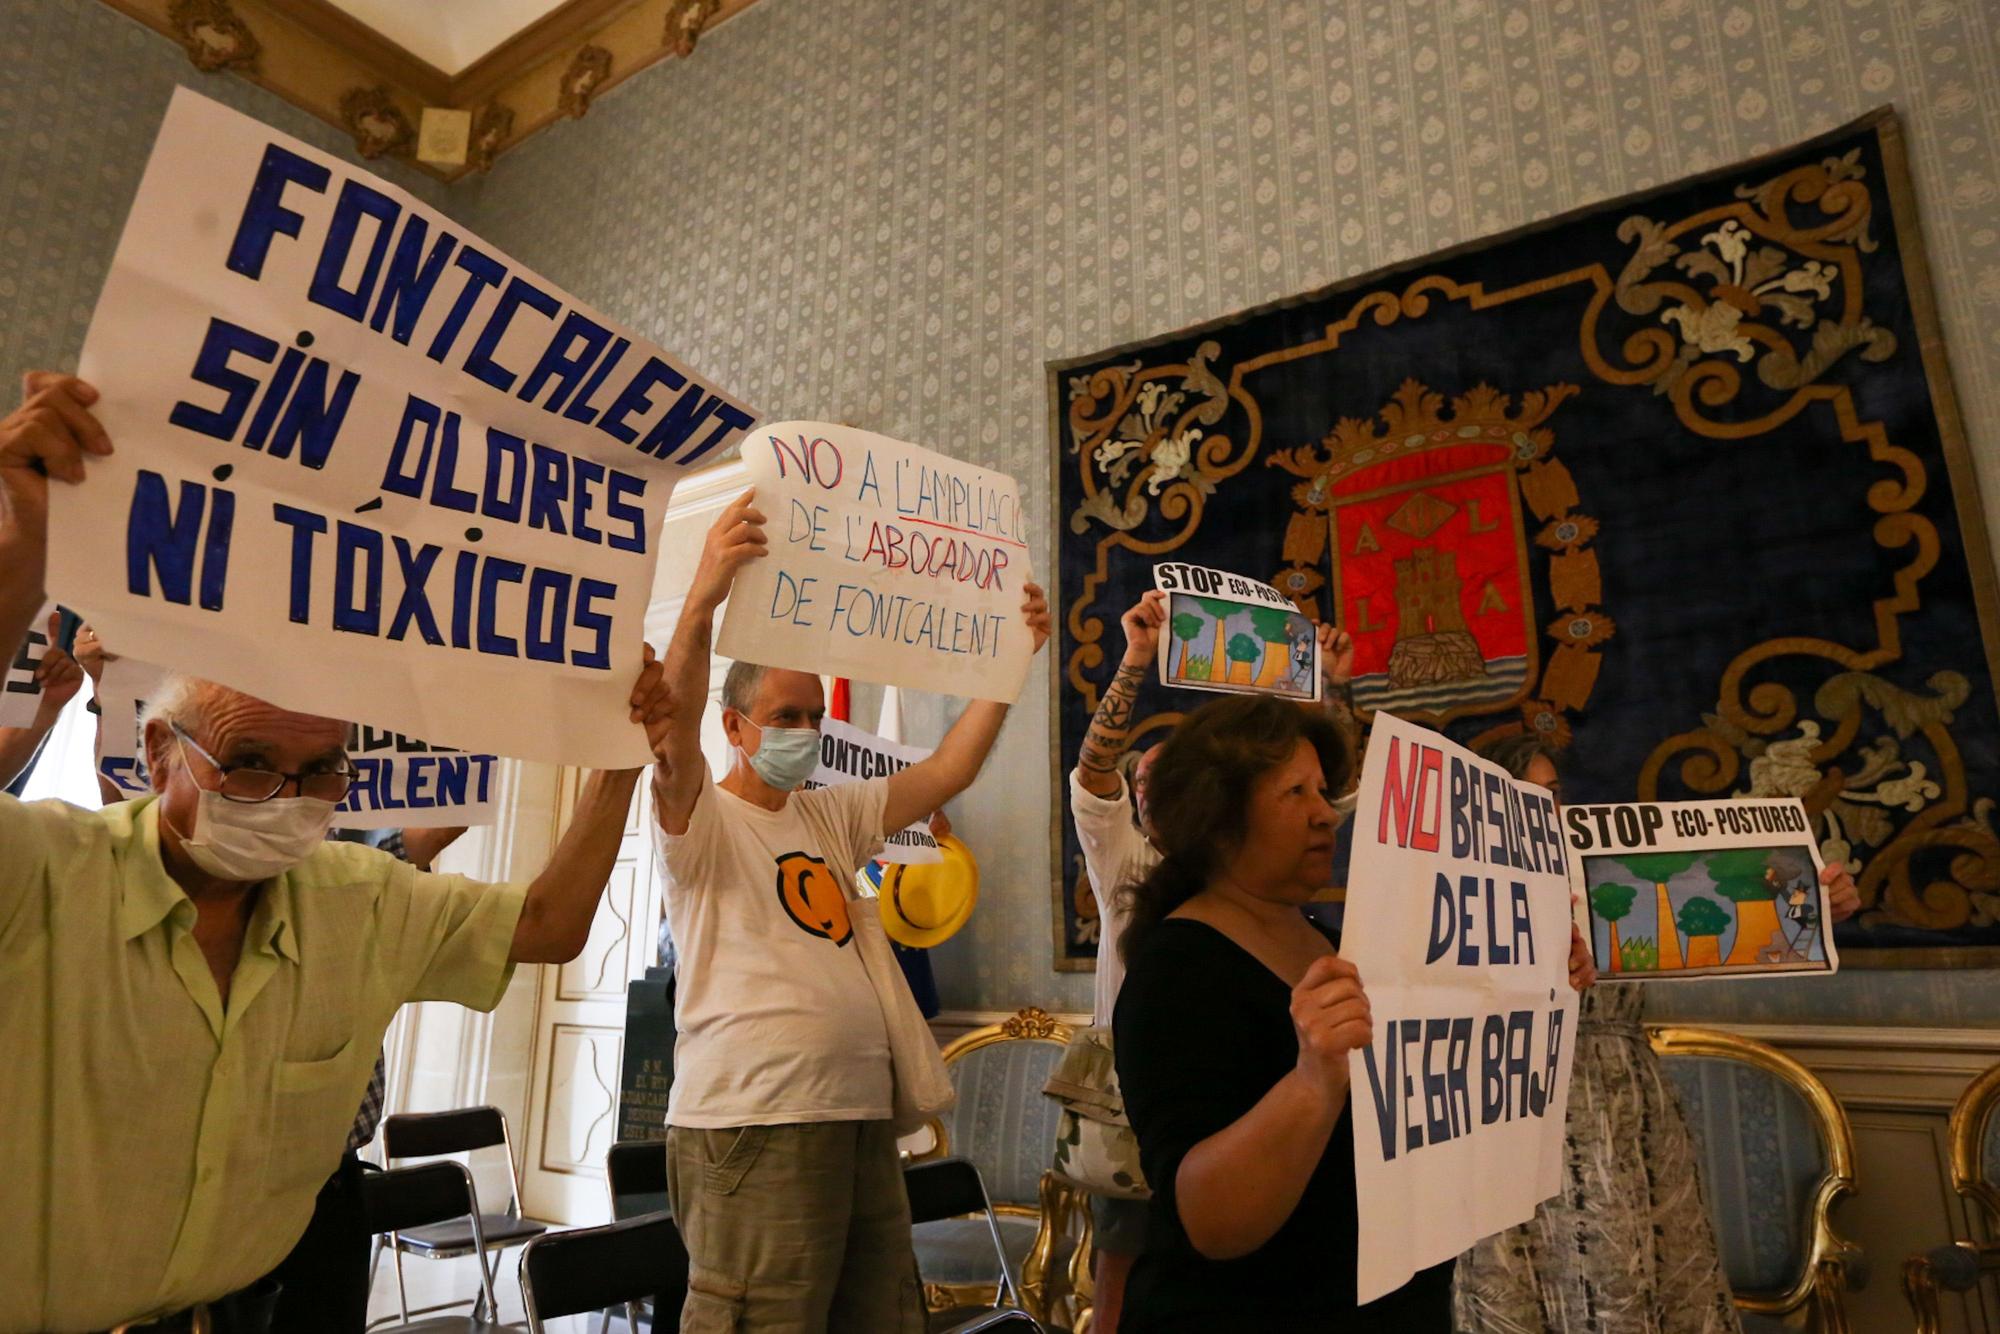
column 1229, row 633
column 399, row 782
column 123, row 688
column 366, row 465
column 887, row 563
column 849, row 755
column 403, row 783
column 1458, row 918
column 1678, row 890
column 20, row 692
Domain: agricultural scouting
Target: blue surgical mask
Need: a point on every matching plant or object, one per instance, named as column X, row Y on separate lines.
column 786, row 756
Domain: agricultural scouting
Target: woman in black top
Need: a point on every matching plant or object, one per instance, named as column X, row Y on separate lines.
column 1232, row 1033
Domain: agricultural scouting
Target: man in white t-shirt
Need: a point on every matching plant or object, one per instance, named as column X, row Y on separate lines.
column 782, row 1164
column 1107, row 802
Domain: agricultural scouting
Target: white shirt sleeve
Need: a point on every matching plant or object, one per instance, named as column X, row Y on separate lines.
column 1105, row 830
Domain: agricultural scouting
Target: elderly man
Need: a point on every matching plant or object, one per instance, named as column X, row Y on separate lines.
column 195, row 984
column 781, row 1159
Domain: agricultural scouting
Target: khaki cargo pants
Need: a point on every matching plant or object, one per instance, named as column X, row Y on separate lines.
column 795, row 1229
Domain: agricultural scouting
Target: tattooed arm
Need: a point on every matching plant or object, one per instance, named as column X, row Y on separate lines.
column 1111, row 725
column 1336, row 665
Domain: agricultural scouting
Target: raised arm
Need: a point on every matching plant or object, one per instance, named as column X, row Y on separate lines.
column 1236, row 1188
column 60, row 678
column 1111, row 726
column 555, row 916
column 734, row 539
column 46, row 437
column 923, row 787
column 1336, row 667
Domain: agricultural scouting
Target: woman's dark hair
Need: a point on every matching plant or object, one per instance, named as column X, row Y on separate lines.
column 1515, row 753
column 1198, row 794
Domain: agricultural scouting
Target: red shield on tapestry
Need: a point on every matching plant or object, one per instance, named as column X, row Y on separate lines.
column 1431, row 572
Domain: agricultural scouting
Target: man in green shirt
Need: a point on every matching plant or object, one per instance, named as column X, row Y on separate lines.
column 194, row 985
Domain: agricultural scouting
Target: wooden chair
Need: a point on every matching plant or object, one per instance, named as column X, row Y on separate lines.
column 1006, row 1128
column 1974, row 1136
column 1787, row 1267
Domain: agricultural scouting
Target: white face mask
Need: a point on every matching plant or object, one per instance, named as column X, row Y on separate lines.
column 233, row 840
column 785, row 756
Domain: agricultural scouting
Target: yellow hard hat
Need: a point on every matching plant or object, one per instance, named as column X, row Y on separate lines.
column 925, row 905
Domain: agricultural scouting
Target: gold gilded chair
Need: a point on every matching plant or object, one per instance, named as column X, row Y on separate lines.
column 1974, row 1136
column 1776, row 1153
column 1005, row 1126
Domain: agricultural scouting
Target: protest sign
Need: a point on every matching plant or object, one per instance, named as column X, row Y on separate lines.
column 403, row 783
column 20, row 692
column 366, row 465
column 1458, row 917
column 888, row 563
column 1229, row 633
column 849, row 755
column 399, row 782
column 1692, row 889
column 123, row 688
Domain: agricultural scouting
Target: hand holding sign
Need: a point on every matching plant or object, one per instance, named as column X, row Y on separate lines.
column 1331, row 1015
column 47, row 436
column 735, row 538
column 59, row 675
column 653, row 703
column 1142, row 623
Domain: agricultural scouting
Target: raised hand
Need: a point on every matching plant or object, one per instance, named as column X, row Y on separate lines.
column 47, row 436
column 1336, row 654
column 1582, row 968
column 653, row 705
column 59, row 675
column 1843, row 897
column 1035, row 611
column 1331, row 1017
column 1142, row 623
column 734, row 539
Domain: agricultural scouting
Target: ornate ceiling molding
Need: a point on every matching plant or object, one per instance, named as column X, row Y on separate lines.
column 321, row 60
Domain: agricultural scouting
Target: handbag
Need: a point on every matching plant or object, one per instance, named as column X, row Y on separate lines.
column 1095, row 1146
column 923, row 1088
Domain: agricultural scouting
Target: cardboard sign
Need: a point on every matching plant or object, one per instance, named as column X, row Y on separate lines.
column 403, row 783
column 122, row 691
column 399, row 782
column 1240, row 636
column 887, row 563
column 20, row 692
column 1698, row 889
column 366, row 465
column 849, row 755
column 1458, row 917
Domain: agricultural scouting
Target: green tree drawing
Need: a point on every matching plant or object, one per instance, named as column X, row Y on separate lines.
column 1657, row 868
column 1739, row 877
column 1704, row 921
column 1612, row 902
column 1271, row 624
column 1245, row 649
column 1186, row 626
column 1221, row 609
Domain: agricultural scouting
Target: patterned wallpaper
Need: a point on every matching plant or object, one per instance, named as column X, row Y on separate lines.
column 82, row 91
column 894, row 213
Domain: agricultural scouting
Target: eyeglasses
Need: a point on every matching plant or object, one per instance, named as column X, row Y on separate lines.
column 250, row 785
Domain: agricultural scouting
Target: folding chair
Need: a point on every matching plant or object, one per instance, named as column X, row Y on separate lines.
column 950, row 1188
column 635, row 1172
column 587, row 1269
column 396, row 1202
column 432, row 1134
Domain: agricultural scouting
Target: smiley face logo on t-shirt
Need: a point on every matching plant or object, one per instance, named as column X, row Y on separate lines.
column 811, row 896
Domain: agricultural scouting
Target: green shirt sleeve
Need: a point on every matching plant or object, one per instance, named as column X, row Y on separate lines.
column 447, row 937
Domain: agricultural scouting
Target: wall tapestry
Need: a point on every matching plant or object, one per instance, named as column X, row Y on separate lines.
column 1676, row 482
